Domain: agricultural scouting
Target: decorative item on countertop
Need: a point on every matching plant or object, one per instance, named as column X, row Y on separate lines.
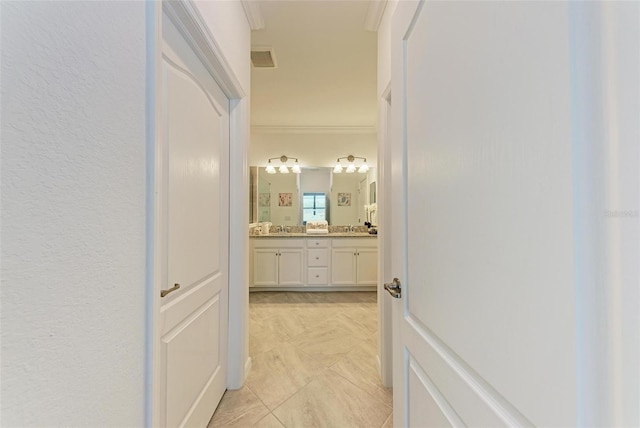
column 320, row 227
column 265, row 227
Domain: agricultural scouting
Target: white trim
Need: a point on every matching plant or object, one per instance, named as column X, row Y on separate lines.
column 247, row 366
column 374, row 15
column 187, row 19
column 153, row 168
column 445, row 407
column 385, row 334
column 254, row 14
column 266, row 129
column 319, row 289
column 238, row 244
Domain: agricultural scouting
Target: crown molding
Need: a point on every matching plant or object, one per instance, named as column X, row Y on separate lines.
column 374, row 15
column 262, row 129
column 254, row 14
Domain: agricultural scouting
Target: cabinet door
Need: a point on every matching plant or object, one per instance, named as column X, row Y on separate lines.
column 291, row 267
column 367, row 267
column 265, row 267
column 343, row 266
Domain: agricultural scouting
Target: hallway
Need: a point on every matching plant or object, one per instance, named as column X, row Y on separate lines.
column 313, row 364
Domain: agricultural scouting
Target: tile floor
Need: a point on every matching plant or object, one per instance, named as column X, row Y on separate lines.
column 314, row 364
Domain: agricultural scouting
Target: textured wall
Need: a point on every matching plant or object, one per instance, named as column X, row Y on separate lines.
column 73, row 214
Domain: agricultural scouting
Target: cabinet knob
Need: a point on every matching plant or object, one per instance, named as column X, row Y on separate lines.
column 317, row 276
column 317, row 258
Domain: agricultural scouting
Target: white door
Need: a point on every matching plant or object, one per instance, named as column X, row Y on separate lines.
column 484, row 331
column 191, row 326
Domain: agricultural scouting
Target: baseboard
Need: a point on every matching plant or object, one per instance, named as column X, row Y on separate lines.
column 314, row 289
column 247, row 368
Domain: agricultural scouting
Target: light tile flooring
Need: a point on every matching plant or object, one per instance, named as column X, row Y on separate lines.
column 314, row 364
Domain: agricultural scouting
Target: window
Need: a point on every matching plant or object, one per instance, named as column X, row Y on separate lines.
column 313, row 207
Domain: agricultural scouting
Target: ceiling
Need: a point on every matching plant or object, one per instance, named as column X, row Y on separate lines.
column 326, row 65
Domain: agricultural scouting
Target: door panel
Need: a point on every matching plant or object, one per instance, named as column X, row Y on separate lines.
column 265, row 267
column 192, row 323
column 428, row 407
column 343, row 266
column 191, row 344
column 291, row 267
column 482, row 188
column 367, row 266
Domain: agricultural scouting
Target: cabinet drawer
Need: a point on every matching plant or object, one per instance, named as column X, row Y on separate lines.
column 317, row 243
column 354, row 243
column 277, row 243
column 317, row 276
column 318, row 257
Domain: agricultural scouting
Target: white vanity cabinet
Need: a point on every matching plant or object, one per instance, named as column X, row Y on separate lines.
column 278, row 263
column 309, row 262
column 318, row 261
column 354, row 261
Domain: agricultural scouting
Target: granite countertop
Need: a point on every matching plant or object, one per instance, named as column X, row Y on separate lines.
column 309, row 235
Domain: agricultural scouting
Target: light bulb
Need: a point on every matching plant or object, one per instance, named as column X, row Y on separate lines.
column 270, row 169
column 363, row 168
column 337, row 169
column 351, row 168
column 283, row 169
column 295, row 168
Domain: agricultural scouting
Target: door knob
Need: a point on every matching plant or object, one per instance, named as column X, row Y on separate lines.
column 169, row 290
column 393, row 288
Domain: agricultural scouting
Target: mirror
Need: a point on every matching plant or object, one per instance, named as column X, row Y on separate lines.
column 372, row 192
column 274, row 197
column 277, row 198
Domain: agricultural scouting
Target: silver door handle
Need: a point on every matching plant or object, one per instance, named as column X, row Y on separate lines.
column 169, row 290
column 393, row 288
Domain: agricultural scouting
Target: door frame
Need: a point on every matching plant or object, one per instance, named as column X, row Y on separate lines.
column 192, row 26
column 385, row 334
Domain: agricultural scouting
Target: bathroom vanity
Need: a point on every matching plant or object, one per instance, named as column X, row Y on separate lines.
column 298, row 261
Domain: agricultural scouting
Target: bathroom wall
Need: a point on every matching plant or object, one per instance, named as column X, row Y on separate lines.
column 313, row 148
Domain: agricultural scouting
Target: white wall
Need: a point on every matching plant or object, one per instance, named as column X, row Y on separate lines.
column 313, row 149
column 73, row 213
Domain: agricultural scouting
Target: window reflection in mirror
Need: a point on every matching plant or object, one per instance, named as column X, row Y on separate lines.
column 314, row 207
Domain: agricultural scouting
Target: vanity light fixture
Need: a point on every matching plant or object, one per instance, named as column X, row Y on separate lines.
column 283, row 166
column 351, row 166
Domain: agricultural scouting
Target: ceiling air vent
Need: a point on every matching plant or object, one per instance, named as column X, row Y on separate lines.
column 263, row 58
